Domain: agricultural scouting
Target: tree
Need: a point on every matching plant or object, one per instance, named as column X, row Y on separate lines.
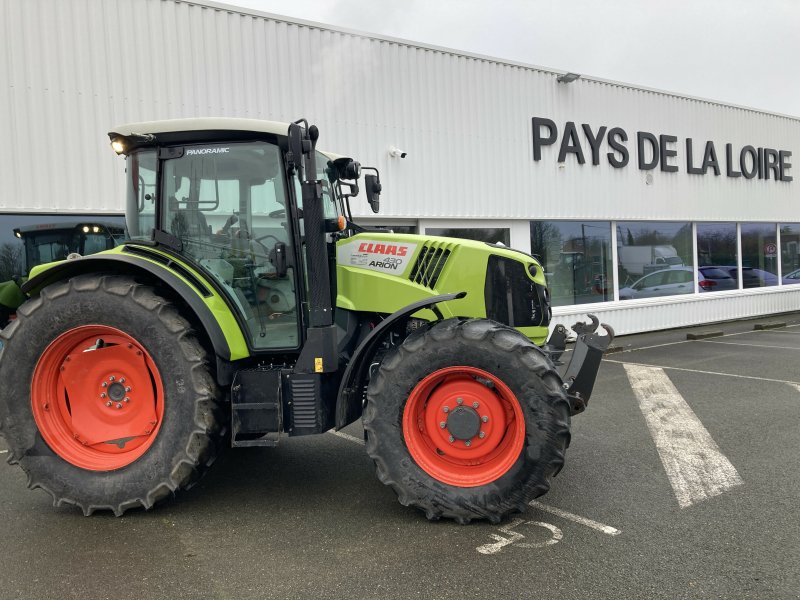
column 10, row 261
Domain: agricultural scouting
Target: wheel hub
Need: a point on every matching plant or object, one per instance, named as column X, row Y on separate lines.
column 463, row 423
column 462, row 430
column 98, row 406
column 116, row 391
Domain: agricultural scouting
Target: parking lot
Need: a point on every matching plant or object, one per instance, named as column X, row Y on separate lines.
column 681, row 482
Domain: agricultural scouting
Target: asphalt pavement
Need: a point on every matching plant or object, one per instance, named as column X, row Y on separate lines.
column 682, row 481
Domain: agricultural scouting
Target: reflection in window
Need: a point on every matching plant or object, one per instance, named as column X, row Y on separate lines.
column 30, row 240
column 645, row 248
column 576, row 257
column 759, row 255
column 488, row 235
column 790, row 253
column 716, row 257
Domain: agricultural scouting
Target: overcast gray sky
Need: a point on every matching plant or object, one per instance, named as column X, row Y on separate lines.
column 742, row 52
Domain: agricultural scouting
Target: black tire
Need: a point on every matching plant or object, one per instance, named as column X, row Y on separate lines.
column 513, row 360
column 191, row 427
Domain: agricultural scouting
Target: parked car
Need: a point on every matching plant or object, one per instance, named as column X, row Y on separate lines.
column 714, row 279
column 678, row 280
column 752, row 278
column 793, row 277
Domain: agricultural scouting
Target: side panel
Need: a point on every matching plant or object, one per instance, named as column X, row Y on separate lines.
column 384, row 272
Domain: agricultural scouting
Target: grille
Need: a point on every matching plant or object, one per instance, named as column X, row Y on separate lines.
column 430, row 263
column 304, row 406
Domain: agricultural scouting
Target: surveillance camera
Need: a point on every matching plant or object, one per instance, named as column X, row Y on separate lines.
column 397, row 153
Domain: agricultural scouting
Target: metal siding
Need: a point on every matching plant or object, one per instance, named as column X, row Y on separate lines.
column 633, row 316
column 74, row 69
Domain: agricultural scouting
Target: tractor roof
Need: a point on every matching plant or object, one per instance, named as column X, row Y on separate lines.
column 195, row 126
column 201, row 124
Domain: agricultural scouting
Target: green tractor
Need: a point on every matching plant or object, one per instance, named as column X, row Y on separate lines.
column 246, row 305
column 44, row 243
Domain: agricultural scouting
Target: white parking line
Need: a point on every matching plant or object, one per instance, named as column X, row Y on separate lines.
column 622, row 362
column 348, row 437
column 695, row 466
column 607, row 529
column 750, row 345
column 3, row 451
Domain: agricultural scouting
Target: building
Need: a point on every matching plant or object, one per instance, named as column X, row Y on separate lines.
column 651, row 209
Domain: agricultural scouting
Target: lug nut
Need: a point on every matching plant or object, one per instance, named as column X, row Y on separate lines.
column 108, row 403
column 482, row 434
column 467, row 443
column 119, row 405
column 122, row 380
column 442, row 424
column 103, row 395
column 485, row 419
column 104, row 384
column 446, row 409
column 127, row 399
column 128, row 389
column 451, row 439
column 475, row 405
column 460, row 400
column 112, row 378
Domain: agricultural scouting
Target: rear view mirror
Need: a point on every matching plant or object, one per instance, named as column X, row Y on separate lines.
column 295, row 145
column 372, row 185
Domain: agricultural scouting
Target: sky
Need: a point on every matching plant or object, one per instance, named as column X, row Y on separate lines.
column 744, row 52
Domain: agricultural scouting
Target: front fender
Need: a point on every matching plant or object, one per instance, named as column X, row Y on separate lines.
column 350, row 396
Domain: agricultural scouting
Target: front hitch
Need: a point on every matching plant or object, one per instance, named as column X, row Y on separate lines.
column 581, row 372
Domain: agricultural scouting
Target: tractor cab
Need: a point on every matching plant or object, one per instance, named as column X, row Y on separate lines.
column 228, row 203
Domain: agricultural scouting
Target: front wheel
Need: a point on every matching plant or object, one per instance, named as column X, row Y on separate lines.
column 467, row 420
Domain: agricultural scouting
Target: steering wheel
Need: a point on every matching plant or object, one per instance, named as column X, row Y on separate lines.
column 278, row 214
column 263, row 237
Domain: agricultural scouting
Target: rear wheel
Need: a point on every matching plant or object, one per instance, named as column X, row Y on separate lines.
column 467, row 420
column 108, row 402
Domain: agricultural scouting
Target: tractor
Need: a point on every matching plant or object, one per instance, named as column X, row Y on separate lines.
column 246, row 305
column 44, row 243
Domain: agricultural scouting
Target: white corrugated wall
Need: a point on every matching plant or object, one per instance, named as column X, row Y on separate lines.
column 72, row 70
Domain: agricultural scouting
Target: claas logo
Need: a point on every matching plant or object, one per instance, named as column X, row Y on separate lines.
column 384, row 249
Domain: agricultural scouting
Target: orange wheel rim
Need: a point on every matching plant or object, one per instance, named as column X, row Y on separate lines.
column 97, row 398
column 463, row 426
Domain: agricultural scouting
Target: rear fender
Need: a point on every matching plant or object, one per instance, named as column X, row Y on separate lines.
column 195, row 292
column 349, row 399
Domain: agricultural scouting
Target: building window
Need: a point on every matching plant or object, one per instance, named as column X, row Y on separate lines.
column 394, row 227
column 576, row 257
column 790, row 253
column 654, row 259
column 716, row 257
column 759, row 255
column 488, row 235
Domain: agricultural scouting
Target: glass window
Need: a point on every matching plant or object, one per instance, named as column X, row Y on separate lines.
column 394, row 227
column 488, row 235
column 226, row 203
column 576, row 257
column 141, row 194
column 645, row 248
column 759, row 255
column 716, row 257
column 790, row 252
